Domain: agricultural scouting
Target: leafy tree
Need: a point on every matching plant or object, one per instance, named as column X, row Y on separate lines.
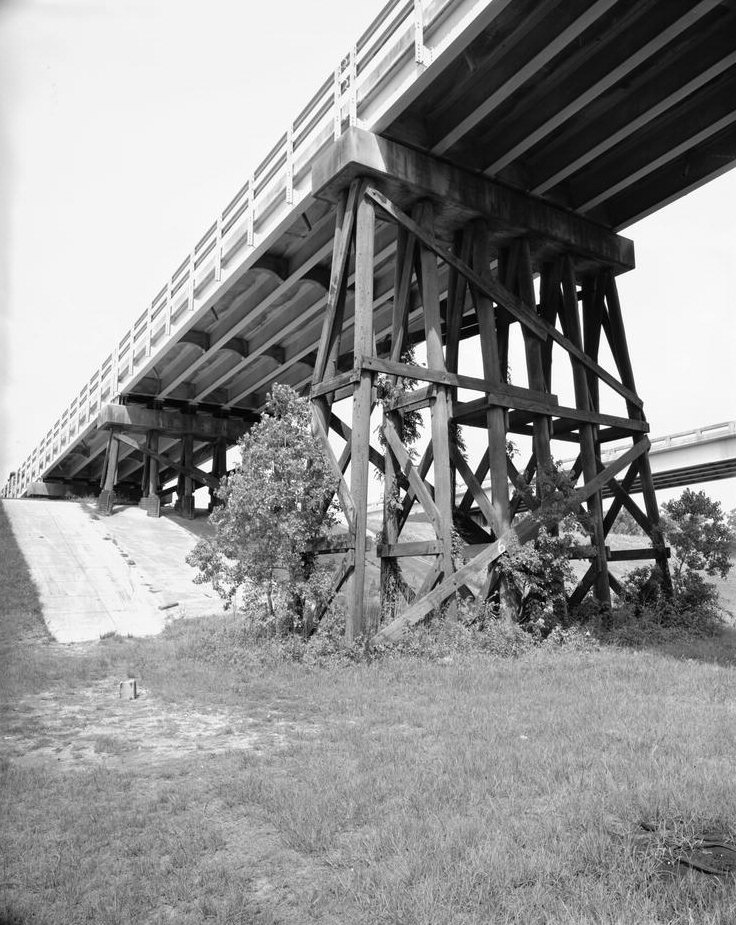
column 275, row 506
column 697, row 529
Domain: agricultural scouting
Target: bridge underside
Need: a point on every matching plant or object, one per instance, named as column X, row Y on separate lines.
column 611, row 108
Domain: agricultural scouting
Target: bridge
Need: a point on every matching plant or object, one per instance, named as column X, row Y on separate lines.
column 705, row 454
column 463, row 172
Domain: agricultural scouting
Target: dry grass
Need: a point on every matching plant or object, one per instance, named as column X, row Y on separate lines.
column 477, row 790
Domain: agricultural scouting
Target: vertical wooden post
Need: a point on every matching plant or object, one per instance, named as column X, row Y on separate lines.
column 187, row 498
column 179, row 489
column 495, row 416
column 456, row 289
column 145, row 475
column 328, row 351
column 361, row 425
column 106, row 499
column 535, row 366
column 441, row 407
column 549, row 302
column 620, row 350
column 219, row 467
column 587, row 435
column 389, row 567
column 151, row 502
column 103, row 473
column 592, row 292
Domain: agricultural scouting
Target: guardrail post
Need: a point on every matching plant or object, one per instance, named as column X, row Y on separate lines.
column 114, row 376
column 131, row 348
column 250, row 234
column 149, row 326
column 190, row 283
column 218, row 250
column 290, row 164
column 353, row 92
column 421, row 52
column 337, row 102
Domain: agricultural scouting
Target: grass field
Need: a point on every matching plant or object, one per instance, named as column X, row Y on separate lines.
column 261, row 790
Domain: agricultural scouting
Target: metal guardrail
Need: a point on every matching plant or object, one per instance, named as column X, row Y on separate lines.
column 401, row 29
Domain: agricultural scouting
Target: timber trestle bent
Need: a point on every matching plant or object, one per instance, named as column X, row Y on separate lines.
column 470, row 257
column 135, row 428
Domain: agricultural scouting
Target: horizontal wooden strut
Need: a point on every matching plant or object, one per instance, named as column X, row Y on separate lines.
column 496, row 395
column 503, row 394
column 191, row 472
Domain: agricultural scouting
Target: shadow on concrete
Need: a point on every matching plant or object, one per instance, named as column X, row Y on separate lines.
column 21, row 614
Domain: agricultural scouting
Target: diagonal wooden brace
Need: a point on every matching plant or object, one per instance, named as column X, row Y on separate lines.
column 500, row 294
column 527, row 530
column 192, row 472
column 346, row 499
column 417, row 484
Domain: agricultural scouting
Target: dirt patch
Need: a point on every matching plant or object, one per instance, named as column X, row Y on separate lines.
column 92, row 725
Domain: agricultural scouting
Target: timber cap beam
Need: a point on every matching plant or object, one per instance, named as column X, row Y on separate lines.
column 137, row 419
column 461, row 196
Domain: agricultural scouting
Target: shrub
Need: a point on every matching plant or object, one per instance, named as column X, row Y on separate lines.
column 697, row 529
column 275, row 507
column 644, row 618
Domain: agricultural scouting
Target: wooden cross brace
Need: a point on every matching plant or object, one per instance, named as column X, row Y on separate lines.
column 197, row 475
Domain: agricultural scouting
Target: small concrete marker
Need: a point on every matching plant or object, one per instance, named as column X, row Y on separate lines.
column 128, row 689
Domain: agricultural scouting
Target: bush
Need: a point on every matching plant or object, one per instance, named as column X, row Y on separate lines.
column 645, row 619
column 697, row 529
column 275, row 507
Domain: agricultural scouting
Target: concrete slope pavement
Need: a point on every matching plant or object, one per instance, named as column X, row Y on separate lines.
column 124, row 573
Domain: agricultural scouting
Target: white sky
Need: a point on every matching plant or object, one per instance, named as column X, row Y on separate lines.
column 125, row 125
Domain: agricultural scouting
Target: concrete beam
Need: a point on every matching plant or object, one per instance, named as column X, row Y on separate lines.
column 460, row 196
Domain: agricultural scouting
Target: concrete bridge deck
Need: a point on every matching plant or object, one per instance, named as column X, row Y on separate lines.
column 610, row 109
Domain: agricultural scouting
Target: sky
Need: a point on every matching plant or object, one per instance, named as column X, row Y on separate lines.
column 125, row 127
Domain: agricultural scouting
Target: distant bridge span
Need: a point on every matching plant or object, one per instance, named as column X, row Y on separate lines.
column 690, row 457
column 705, row 454
column 461, row 150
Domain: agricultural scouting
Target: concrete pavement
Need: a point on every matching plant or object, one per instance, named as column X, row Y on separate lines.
column 124, row 573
